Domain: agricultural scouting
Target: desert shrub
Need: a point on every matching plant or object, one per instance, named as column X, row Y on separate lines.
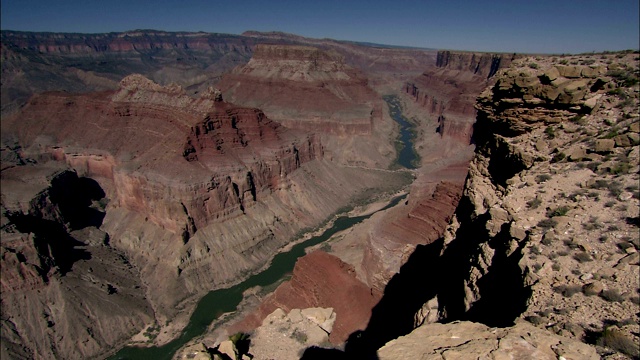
column 577, row 118
column 593, row 166
column 542, row 178
column 547, row 223
column 550, row 132
column 612, row 295
column 599, row 184
column 570, row 244
column 533, row 65
column 536, row 250
column 624, row 103
column 624, row 78
column 619, row 92
column 559, row 211
column 615, row 188
column 563, row 253
column 534, row 203
column 618, row 341
column 620, row 168
column 568, row 290
column 603, row 238
column 582, row 257
column 299, row 336
column 609, row 204
column 593, row 224
column 555, row 266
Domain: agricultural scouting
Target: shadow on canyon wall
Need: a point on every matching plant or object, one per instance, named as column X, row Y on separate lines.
column 431, row 272
column 72, row 196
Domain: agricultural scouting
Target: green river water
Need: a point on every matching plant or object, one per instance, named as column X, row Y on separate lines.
column 218, row 302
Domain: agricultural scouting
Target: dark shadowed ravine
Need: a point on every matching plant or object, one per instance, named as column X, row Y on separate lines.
column 218, row 302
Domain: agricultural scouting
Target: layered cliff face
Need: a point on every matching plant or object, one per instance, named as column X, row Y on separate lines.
column 448, row 90
column 547, row 225
column 306, row 88
column 200, row 192
column 37, row 62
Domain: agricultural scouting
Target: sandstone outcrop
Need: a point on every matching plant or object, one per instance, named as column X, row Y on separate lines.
column 465, row 340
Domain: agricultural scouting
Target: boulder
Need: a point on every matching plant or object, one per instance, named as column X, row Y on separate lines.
column 593, row 71
column 550, row 75
column 577, row 154
column 604, row 145
column 569, row 71
column 622, row 141
column 592, row 102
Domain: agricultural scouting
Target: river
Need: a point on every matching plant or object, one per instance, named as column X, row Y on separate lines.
column 218, row 302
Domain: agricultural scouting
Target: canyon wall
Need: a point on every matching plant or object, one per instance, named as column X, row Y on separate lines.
column 447, row 91
column 60, row 280
column 311, row 89
column 197, row 193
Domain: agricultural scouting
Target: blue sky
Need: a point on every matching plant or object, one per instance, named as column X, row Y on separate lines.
column 503, row 25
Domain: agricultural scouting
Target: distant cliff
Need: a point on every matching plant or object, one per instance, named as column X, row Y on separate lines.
column 483, row 64
column 448, row 90
column 137, row 40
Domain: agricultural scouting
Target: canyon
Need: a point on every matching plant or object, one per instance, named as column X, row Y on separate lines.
column 141, row 170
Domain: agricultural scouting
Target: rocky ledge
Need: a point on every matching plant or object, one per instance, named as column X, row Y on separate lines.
column 547, row 227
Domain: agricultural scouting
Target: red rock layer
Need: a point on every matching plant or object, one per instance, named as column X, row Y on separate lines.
column 427, row 220
column 305, row 87
column 321, row 280
column 145, row 126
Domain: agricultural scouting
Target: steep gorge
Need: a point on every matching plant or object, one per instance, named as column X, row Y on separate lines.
column 241, row 186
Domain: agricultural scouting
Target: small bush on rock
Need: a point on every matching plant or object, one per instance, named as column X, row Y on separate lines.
column 617, row 340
